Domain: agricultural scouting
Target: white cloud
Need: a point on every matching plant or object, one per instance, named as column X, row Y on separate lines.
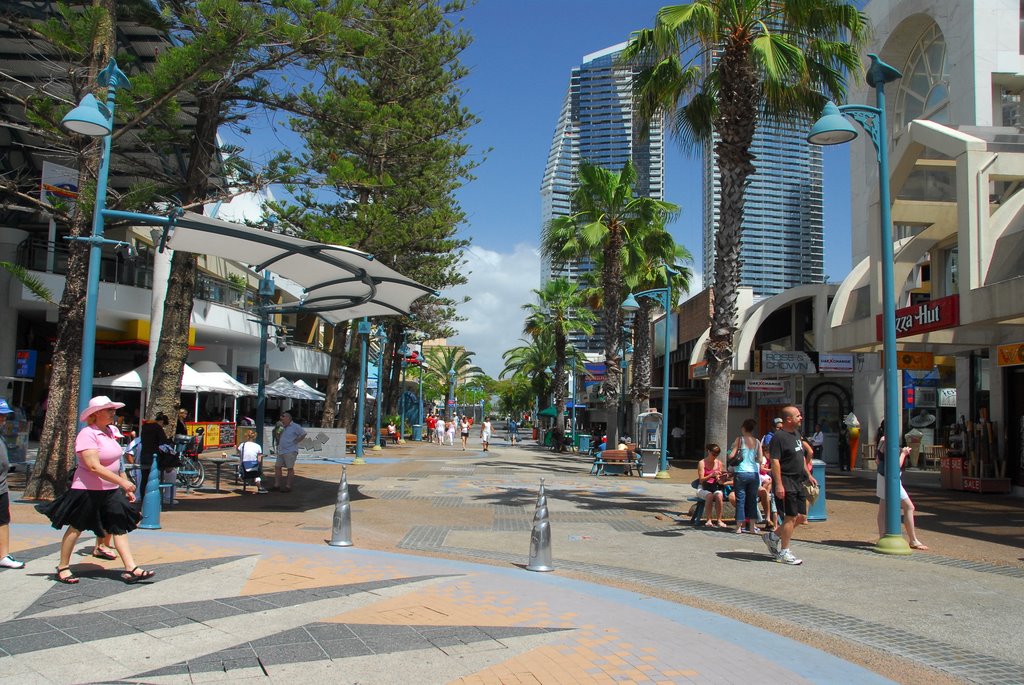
column 499, row 284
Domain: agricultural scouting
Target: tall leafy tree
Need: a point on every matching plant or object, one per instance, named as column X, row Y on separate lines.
column 646, row 257
column 561, row 307
column 446, row 363
column 384, row 156
column 531, row 361
column 720, row 66
column 606, row 214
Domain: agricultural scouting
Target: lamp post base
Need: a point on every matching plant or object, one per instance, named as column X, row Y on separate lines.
column 376, row 448
column 893, row 544
column 662, row 474
column 358, row 461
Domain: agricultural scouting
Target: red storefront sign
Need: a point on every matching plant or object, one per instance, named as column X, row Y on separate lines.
column 927, row 316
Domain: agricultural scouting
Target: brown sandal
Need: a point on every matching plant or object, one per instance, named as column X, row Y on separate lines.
column 136, row 574
column 69, row 579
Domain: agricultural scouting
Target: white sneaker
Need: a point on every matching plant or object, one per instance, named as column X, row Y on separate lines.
column 772, row 541
column 11, row 562
column 786, row 557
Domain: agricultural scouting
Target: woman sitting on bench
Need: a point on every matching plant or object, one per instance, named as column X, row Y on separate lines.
column 710, row 471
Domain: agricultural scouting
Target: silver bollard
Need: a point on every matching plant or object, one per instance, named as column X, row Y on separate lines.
column 341, row 532
column 540, row 537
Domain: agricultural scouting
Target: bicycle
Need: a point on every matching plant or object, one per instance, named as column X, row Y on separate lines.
column 191, row 471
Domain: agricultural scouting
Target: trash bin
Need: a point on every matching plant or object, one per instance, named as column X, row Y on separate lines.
column 536, row 433
column 817, row 510
column 584, row 442
column 417, row 432
column 548, row 435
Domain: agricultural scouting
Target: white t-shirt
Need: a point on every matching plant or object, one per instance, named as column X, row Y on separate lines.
column 249, row 454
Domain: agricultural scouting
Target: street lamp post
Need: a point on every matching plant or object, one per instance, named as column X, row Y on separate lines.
column 831, row 129
column 382, row 341
column 423, row 427
column 401, row 393
column 90, row 118
column 663, row 296
column 451, row 388
column 572, row 379
column 364, row 333
column 265, row 292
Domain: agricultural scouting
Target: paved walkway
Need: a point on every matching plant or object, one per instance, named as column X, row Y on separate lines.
column 230, row 608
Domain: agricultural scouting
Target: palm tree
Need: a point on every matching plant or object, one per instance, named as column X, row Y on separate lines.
column 532, row 360
column 561, row 308
column 645, row 262
column 777, row 60
column 443, row 362
column 606, row 215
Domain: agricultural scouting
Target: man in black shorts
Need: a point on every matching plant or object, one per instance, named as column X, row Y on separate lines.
column 791, row 468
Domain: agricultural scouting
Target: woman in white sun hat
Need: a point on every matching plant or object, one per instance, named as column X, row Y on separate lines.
column 99, row 498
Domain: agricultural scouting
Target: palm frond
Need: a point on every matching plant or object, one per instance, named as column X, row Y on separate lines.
column 33, row 284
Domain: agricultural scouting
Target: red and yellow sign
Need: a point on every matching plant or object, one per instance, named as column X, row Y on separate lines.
column 928, row 316
column 1010, row 355
column 915, row 361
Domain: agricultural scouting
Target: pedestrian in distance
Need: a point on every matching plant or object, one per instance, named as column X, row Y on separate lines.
column 6, row 559
column 99, row 498
column 485, row 432
column 767, row 439
column 906, row 504
column 817, row 440
column 287, row 452
column 464, row 433
column 440, row 428
column 449, row 431
column 791, row 467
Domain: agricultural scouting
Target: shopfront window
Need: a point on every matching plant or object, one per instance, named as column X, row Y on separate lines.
column 980, row 367
column 951, row 270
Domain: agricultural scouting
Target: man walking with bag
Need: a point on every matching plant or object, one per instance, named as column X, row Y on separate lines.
column 790, row 463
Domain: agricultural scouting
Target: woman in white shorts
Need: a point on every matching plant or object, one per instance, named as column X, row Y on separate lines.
column 905, row 502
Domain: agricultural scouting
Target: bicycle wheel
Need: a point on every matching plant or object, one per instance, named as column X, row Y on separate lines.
column 195, row 472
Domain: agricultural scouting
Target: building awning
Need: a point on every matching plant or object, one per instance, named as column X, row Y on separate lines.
column 340, row 283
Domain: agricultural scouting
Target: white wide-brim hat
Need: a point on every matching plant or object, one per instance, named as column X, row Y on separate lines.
column 96, row 404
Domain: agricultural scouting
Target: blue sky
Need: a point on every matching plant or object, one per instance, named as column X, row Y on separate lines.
column 519, row 66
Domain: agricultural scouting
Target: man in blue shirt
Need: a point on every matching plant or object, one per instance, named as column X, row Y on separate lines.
column 287, row 451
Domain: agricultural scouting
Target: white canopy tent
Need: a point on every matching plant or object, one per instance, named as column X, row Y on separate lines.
column 313, row 393
column 191, row 380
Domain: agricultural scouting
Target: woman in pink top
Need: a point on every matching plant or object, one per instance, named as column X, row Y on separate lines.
column 100, row 497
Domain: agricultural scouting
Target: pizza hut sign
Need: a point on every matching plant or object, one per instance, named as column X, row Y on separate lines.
column 922, row 318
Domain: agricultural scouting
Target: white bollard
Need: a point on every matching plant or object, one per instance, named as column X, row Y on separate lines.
column 341, row 532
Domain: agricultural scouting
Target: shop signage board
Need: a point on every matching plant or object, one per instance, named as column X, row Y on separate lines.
column 764, row 385
column 915, row 361
column 699, row 370
column 786, row 363
column 922, row 318
column 25, row 364
column 947, row 397
column 835, row 362
column 596, row 374
column 1010, row 355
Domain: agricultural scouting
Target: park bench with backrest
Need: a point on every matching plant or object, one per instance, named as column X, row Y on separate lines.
column 617, row 461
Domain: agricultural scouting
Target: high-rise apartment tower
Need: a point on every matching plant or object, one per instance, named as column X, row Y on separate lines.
column 597, row 125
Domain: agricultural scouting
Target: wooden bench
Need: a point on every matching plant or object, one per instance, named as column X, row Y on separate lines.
column 627, row 460
column 351, row 440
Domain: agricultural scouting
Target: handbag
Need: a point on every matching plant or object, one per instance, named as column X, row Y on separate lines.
column 811, row 492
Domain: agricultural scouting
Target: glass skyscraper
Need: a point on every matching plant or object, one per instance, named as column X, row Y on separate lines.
column 781, row 245
column 597, row 125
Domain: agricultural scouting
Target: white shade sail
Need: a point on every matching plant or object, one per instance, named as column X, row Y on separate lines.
column 340, row 283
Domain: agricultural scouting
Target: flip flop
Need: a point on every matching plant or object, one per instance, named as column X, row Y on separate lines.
column 918, row 545
column 104, row 554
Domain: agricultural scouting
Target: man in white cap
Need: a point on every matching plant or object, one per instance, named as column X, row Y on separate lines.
column 6, row 560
